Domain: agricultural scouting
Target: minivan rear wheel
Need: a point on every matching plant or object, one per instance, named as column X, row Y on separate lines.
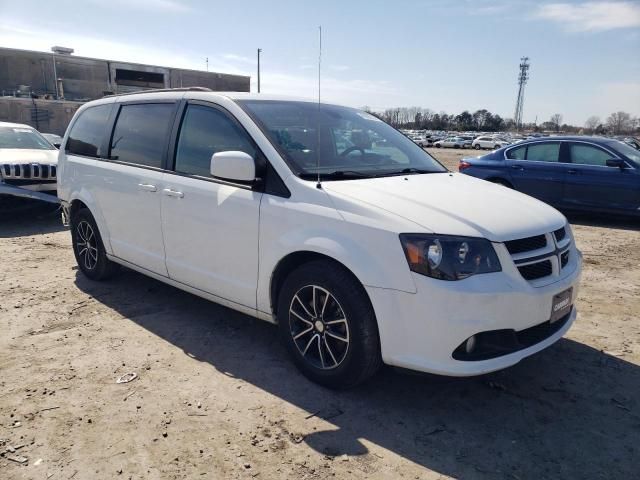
column 88, row 248
column 328, row 325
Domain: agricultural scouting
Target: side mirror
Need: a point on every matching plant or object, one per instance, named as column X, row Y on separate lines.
column 234, row 166
column 615, row 163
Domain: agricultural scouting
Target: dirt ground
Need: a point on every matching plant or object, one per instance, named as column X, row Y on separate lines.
column 216, row 396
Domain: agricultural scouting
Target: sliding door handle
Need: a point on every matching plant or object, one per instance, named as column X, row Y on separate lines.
column 172, row 193
column 147, row 187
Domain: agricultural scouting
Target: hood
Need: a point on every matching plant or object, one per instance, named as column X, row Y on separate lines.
column 453, row 204
column 24, row 155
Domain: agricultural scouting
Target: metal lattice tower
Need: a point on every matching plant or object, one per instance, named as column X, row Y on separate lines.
column 522, row 81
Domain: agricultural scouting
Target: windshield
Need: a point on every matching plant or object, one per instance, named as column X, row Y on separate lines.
column 350, row 142
column 629, row 152
column 22, row 137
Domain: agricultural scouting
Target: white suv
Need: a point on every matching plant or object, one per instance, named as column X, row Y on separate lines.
column 361, row 251
column 488, row 142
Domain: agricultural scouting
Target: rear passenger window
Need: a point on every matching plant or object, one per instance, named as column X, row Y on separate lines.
column 87, row 132
column 517, row 153
column 206, row 131
column 588, row 155
column 544, row 152
column 141, row 133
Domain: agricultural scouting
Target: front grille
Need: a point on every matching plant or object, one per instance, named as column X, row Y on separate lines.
column 560, row 234
column 534, row 271
column 526, row 244
column 28, row 171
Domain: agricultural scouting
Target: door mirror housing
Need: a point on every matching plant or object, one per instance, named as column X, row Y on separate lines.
column 615, row 163
column 234, row 166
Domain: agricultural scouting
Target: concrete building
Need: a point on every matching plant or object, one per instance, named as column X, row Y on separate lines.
column 43, row 89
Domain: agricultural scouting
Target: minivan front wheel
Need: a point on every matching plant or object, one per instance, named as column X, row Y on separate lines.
column 88, row 247
column 328, row 325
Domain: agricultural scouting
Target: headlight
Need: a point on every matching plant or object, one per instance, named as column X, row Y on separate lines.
column 447, row 257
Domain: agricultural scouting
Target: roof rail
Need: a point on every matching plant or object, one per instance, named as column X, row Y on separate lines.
column 159, row 90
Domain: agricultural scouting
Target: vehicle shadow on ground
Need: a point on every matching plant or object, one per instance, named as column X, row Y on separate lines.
column 568, row 412
column 604, row 221
column 24, row 217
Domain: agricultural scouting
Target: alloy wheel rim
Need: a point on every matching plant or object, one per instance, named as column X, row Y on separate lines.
column 86, row 245
column 319, row 327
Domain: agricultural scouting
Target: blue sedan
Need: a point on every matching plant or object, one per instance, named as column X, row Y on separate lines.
column 572, row 173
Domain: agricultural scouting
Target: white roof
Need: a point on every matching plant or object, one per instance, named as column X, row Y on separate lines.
column 15, row 125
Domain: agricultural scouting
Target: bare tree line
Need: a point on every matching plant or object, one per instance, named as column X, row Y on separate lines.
column 618, row 123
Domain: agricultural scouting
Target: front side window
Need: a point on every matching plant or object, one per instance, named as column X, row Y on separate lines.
column 333, row 140
column 87, row 132
column 141, row 133
column 23, row 138
column 589, row 155
column 206, row 131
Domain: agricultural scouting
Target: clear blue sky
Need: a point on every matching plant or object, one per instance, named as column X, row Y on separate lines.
column 443, row 55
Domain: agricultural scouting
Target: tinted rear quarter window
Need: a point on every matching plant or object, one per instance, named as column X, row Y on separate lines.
column 141, row 133
column 517, row 153
column 87, row 132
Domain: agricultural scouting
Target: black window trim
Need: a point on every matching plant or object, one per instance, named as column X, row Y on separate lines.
column 262, row 163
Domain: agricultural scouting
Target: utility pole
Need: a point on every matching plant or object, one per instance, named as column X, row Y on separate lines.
column 207, row 61
column 523, row 76
column 259, row 50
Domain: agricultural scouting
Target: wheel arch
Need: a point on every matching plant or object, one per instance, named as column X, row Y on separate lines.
column 84, row 199
column 291, row 262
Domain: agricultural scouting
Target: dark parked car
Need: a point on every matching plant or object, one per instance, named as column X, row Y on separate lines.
column 572, row 173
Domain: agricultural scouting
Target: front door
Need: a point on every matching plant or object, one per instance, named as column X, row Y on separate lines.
column 211, row 226
column 128, row 185
column 590, row 183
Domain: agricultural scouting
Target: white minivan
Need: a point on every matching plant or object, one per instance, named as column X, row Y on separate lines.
column 323, row 219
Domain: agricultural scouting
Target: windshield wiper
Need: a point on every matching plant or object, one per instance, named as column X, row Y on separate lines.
column 406, row 170
column 336, row 175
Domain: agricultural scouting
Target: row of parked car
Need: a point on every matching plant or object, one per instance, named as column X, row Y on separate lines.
column 478, row 142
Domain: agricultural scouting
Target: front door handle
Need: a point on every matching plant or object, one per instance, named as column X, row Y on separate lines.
column 517, row 167
column 572, row 171
column 172, row 193
column 147, row 187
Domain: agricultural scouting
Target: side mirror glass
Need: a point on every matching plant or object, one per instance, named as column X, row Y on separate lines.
column 615, row 163
column 234, row 166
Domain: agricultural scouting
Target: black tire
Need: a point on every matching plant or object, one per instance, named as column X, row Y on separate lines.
column 88, row 247
column 437, row 145
column 347, row 363
column 477, row 146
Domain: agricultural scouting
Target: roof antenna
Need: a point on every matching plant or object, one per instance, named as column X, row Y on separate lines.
column 319, row 185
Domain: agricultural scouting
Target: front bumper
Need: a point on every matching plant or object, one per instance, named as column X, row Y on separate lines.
column 421, row 331
column 29, row 192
